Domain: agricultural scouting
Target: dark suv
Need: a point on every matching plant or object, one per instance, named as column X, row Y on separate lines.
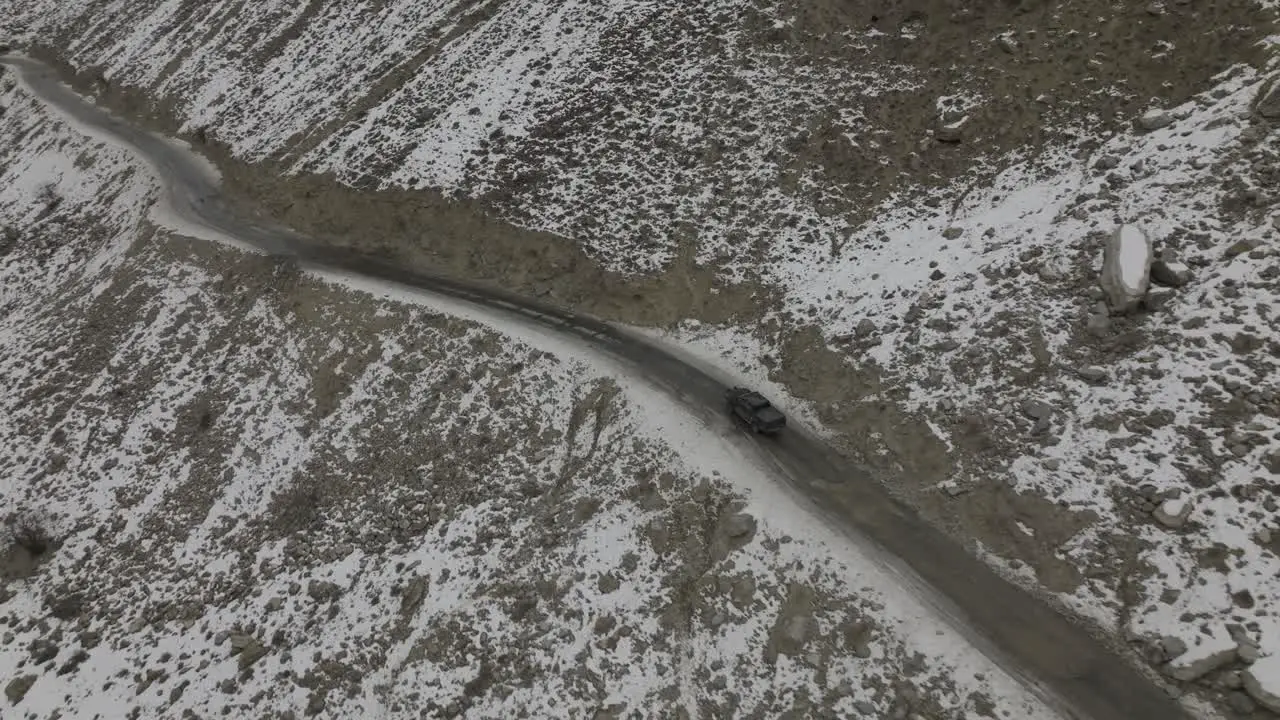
column 753, row 410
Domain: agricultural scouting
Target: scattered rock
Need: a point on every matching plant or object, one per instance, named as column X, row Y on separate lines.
column 1172, row 647
column 740, row 525
column 322, row 590
column 1098, row 325
column 1173, row 514
column 1268, row 101
column 240, row 641
column 743, row 591
column 1037, row 409
column 18, row 687
column 608, row 583
column 252, row 653
column 1240, row 247
column 413, row 595
column 952, row 132
column 1153, row 120
column 1272, row 462
column 1157, row 299
column 1170, row 274
column 1126, row 266
column 1092, row 374
column 793, row 625
column 1248, row 653
column 1107, row 162
column 1190, row 672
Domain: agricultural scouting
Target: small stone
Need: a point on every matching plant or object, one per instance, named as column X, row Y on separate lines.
column 1107, row 162
column 606, row 624
column 251, row 654
column 1170, row 274
column 1267, row 102
column 1172, row 647
column 1248, row 653
column 951, row 132
column 413, row 595
column 1092, row 374
column 1098, row 325
column 1240, row 247
column 17, row 688
column 1154, row 120
column 321, row 590
column 1037, row 409
column 1157, row 299
column 740, row 525
column 1173, row 514
column 743, row 591
column 240, row 641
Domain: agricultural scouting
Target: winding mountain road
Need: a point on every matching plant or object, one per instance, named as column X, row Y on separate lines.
column 1062, row 663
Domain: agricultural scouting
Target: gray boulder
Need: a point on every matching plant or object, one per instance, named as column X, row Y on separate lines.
column 1268, row 101
column 1126, row 268
column 1154, row 120
column 1170, row 274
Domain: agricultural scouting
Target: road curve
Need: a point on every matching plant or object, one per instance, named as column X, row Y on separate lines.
column 1062, row 663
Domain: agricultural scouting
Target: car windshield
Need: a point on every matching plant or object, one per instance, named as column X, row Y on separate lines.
column 771, row 415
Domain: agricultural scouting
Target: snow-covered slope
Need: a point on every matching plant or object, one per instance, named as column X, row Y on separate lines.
column 271, row 494
column 737, row 130
column 935, row 304
column 1129, row 461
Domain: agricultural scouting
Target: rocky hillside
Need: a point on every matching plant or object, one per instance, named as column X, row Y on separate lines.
column 897, row 213
column 227, row 489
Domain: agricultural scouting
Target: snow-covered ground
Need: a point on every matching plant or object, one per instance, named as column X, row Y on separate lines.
column 1161, row 427
column 280, row 493
column 955, row 335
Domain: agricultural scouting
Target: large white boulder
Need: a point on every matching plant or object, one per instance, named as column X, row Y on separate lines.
column 1126, row 268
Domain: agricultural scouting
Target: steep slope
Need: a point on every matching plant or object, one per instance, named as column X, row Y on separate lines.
column 794, row 171
column 229, row 489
